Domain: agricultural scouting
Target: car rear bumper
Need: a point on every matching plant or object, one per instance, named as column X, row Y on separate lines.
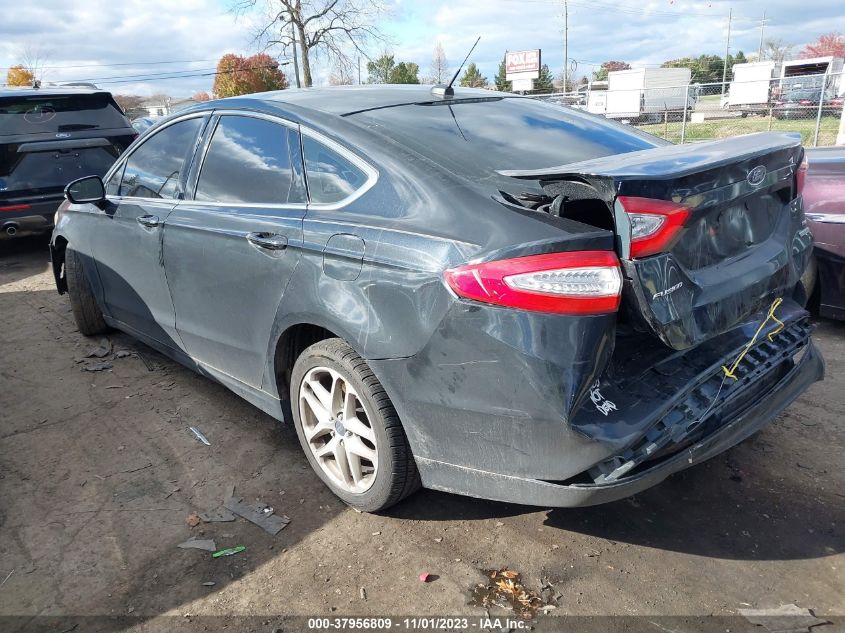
column 35, row 218
column 492, row 415
column 502, row 487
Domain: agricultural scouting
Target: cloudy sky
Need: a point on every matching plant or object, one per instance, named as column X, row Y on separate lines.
column 134, row 45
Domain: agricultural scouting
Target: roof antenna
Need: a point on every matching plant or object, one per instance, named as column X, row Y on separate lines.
column 448, row 91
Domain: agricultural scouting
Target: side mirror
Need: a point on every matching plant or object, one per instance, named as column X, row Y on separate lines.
column 86, row 190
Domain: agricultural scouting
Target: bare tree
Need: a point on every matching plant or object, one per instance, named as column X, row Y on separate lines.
column 439, row 65
column 33, row 58
column 318, row 27
column 776, row 50
column 343, row 72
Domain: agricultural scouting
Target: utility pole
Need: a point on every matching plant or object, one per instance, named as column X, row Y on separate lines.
column 727, row 51
column 295, row 60
column 565, row 44
column 762, row 28
column 359, row 70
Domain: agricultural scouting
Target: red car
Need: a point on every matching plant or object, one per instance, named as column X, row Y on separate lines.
column 824, row 205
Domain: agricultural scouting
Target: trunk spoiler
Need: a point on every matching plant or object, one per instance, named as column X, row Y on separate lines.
column 667, row 162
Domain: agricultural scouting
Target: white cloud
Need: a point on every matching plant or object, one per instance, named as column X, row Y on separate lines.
column 197, row 32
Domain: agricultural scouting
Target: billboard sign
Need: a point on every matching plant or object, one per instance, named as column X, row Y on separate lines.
column 522, row 64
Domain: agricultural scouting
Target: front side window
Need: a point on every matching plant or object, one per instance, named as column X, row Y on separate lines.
column 249, row 162
column 331, row 178
column 154, row 170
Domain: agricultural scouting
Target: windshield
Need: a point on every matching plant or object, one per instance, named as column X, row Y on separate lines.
column 61, row 113
column 475, row 138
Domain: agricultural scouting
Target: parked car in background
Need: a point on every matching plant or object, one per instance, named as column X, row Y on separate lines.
column 802, row 104
column 562, row 317
column 49, row 137
column 824, row 202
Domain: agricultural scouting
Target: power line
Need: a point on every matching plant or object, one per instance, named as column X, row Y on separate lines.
column 205, row 74
column 99, row 65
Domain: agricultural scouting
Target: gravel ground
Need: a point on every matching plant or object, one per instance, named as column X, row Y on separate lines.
column 98, row 473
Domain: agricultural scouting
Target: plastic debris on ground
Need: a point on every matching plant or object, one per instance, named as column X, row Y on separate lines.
column 100, row 366
column 229, row 551
column 787, row 618
column 504, row 589
column 259, row 513
column 195, row 543
column 101, row 351
column 200, row 436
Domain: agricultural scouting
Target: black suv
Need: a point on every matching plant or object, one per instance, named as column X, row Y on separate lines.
column 49, row 137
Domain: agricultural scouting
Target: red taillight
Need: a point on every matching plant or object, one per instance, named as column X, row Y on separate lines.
column 801, row 176
column 654, row 224
column 581, row 282
column 805, row 102
column 15, row 207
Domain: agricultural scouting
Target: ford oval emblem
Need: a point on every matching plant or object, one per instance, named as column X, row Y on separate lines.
column 756, row 175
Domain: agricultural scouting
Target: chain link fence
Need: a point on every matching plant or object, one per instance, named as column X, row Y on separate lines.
column 807, row 104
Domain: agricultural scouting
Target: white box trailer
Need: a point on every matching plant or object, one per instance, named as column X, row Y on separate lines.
column 750, row 89
column 812, row 73
column 642, row 93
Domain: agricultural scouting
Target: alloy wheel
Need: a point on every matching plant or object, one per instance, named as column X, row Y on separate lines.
column 337, row 428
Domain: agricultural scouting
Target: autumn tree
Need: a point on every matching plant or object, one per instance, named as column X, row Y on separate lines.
column 201, row 96
column 238, row 75
column 326, row 28
column 439, row 66
column 18, row 75
column 473, row 78
column 609, row 66
column 501, row 78
column 828, row 45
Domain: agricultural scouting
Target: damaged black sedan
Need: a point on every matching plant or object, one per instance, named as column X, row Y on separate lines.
column 471, row 292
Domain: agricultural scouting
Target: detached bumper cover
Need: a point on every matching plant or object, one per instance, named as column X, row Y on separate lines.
column 766, row 405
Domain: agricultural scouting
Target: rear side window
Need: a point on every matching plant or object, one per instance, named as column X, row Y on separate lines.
column 155, row 169
column 331, row 178
column 249, row 162
column 61, row 113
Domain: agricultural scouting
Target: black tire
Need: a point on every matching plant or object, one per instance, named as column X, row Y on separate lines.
column 397, row 475
column 86, row 312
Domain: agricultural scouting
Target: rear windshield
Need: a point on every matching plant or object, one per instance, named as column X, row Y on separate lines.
column 64, row 113
column 475, row 138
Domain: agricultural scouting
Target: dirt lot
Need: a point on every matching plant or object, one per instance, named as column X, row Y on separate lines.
column 98, row 472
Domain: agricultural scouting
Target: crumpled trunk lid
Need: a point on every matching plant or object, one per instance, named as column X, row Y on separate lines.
column 743, row 244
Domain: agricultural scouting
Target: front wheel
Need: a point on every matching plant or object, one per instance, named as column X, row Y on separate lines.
column 348, row 428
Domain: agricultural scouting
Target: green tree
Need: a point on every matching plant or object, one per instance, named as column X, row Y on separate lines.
column 610, row 66
column 385, row 70
column 703, row 69
column 473, row 78
column 405, row 73
column 379, row 70
column 545, row 82
column 501, row 80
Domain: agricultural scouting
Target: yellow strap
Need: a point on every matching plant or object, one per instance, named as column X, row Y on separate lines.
column 729, row 373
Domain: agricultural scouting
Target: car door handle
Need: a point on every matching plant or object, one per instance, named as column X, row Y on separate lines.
column 149, row 221
column 270, row 241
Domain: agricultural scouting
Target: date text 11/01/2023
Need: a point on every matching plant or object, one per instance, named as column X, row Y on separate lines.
column 417, row 624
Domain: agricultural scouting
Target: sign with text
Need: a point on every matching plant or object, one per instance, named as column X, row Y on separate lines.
column 522, row 64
